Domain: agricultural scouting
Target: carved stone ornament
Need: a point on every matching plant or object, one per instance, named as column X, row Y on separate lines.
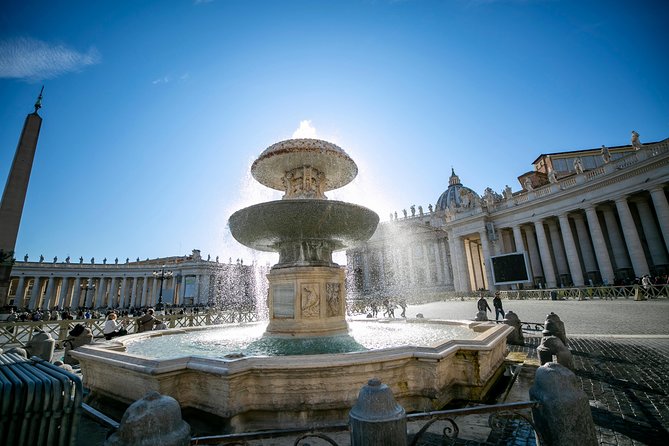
column 310, row 300
column 333, row 297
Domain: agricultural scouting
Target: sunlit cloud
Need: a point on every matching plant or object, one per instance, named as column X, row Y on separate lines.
column 305, row 130
column 34, row 60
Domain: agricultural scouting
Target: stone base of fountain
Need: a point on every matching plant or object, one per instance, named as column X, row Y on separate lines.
column 306, row 301
column 258, row 393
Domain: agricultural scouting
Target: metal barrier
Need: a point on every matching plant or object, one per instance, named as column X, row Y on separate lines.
column 499, row 414
column 40, row 403
column 18, row 334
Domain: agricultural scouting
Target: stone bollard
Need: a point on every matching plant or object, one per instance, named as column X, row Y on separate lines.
column 551, row 344
column 563, row 417
column 377, row 419
column 41, row 345
column 155, row 420
column 558, row 329
column 516, row 336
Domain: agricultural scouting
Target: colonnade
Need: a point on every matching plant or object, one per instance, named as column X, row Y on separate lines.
column 94, row 290
column 594, row 243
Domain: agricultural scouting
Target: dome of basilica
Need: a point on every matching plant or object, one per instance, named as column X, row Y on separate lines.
column 452, row 197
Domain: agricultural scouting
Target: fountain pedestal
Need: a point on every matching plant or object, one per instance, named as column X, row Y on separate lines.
column 306, row 301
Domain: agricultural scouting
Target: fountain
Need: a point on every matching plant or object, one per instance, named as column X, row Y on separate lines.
column 306, row 289
column 252, row 388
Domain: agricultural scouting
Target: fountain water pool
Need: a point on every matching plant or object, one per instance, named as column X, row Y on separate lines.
column 248, row 340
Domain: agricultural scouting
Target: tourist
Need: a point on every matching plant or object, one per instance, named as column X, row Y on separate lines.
column 403, row 305
column 147, row 321
column 482, row 304
column 497, row 303
column 112, row 328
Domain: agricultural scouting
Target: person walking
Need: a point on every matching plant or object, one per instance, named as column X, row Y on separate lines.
column 497, row 303
column 482, row 304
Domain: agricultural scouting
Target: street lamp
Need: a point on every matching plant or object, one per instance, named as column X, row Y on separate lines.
column 89, row 286
column 161, row 275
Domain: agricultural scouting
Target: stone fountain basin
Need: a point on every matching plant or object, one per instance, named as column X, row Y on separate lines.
column 257, row 393
column 263, row 226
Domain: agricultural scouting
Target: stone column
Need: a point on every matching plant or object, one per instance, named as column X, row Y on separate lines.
column 486, row 258
column 618, row 249
column 113, row 293
column 428, row 262
column 48, row 297
column 100, row 293
column 632, row 240
column 63, row 292
column 154, row 292
column 662, row 211
column 584, row 243
column 76, row 292
column 545, row 253
column 145, row 288
column 204, row 288
column 35, row 293
column 533, row 250
column 518, row 244
column 558, row 248
column 182, row 289
column 601, row 251
column 439, row 265
column 89, row 294
column 20, row 293
column 653, row 237
column 572, row 254
column 197, row 289
column 456, row 248
column 133, row 292
column 124, row 292
column 447, row 261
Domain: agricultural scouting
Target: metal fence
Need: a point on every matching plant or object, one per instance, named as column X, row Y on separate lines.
column 18, row 334
column 500, row 417
column 40, row 403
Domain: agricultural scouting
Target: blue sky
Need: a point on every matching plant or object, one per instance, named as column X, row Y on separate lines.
column 154, row 110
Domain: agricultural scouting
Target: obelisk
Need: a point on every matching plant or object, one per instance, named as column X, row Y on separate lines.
column 14, row 195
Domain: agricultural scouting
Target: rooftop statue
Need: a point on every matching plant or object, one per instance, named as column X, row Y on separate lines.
column 606, row 156
column 552, row 176
column 635, row 141
column 578, row 165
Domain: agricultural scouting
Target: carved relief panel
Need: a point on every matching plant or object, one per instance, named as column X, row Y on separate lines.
column 333, row 298
column 310, row 300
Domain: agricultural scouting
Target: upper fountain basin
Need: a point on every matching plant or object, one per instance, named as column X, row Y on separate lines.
column 271, row 166
column 265, row 226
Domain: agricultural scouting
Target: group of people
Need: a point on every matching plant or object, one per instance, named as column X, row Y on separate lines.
column 482, row 305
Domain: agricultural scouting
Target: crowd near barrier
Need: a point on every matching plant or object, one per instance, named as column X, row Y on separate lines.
column 18, row 334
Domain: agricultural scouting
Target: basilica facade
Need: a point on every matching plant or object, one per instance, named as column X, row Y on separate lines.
column 580, row 218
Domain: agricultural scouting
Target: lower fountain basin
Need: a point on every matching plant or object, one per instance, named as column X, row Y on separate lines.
column 269, row 392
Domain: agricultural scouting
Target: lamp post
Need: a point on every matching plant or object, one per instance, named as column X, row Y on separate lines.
column 89, row 286
column 161, row 275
